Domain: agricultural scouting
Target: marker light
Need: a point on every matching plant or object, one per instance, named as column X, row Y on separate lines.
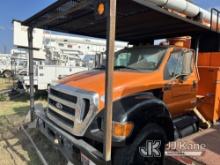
column 101, row 8
column 122, row 130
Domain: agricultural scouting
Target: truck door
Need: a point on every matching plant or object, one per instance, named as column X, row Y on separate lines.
column 181, row 81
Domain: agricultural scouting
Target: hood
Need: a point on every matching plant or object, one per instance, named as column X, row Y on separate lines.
column 124, row 82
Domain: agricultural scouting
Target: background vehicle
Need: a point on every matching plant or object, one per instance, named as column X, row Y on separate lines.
column 5, row 65
column 10, row 64
column 57, row 55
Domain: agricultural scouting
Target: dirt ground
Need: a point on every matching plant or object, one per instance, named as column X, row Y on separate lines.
column 15, row 149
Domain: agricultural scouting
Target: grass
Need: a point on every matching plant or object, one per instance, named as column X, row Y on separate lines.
column 15, row 148
column 5, row 83
column 13, row 107
column 19, row 105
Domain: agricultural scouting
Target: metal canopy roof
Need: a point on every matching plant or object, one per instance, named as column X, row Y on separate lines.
column 135, row 22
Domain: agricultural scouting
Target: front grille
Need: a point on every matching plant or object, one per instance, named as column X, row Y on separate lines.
column 61, row 118
column 72, row 109
column 63, row 96
column 65, row 108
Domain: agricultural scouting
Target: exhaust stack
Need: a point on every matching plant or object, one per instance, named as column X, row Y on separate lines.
column 182, row 6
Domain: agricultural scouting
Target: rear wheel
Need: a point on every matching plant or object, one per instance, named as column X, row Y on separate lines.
column 7, row 74
column 137, row 153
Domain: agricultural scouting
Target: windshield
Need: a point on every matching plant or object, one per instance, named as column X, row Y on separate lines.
column 143, row 59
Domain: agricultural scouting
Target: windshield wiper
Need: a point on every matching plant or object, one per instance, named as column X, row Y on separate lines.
column 124, row 67
column 116, row 67
column 100, row 68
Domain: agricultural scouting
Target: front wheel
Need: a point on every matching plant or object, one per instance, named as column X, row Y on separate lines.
column 7, row 74
column 147, row 149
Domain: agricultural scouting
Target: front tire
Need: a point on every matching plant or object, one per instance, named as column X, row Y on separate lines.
column 7, row 74
column 130, row 155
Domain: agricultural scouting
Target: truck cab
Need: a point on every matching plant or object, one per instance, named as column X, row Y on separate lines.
column 151, row 85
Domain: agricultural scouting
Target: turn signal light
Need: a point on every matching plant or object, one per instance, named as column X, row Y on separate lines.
column 122, row 130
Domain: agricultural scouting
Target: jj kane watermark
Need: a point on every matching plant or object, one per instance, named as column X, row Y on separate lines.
column 178, row 148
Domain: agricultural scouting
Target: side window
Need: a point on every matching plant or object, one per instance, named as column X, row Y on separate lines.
column 174, row 65
column 179, row 63
column 188, row 62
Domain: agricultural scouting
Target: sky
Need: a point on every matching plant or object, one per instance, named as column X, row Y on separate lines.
column 22, row 9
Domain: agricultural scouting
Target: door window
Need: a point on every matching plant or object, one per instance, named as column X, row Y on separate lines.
column 172, row 67
column 179, row 63
column 188, row 62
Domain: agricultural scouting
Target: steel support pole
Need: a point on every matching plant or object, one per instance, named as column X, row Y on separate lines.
column 111, row 25
column 31, row 71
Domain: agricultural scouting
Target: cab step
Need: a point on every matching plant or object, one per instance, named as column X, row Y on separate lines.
column 186, row 125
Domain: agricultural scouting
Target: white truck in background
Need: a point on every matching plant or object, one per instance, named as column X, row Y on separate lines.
column 11, row 64
column 5, row 65
column 44, row 75
column 55, row 66
column 57, row 55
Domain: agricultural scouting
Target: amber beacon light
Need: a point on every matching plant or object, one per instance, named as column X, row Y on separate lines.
column 101, row 8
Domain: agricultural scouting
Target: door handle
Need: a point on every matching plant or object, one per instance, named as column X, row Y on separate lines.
column 194, row 85
column 167, row 87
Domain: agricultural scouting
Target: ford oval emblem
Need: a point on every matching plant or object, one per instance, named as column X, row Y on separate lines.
column 59, row 106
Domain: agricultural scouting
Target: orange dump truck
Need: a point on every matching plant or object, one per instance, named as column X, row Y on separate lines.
column 159, row 93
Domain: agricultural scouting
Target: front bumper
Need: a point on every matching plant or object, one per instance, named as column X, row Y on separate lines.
column 70, row 146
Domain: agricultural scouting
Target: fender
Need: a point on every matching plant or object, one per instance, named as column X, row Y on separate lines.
column 142, row 109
